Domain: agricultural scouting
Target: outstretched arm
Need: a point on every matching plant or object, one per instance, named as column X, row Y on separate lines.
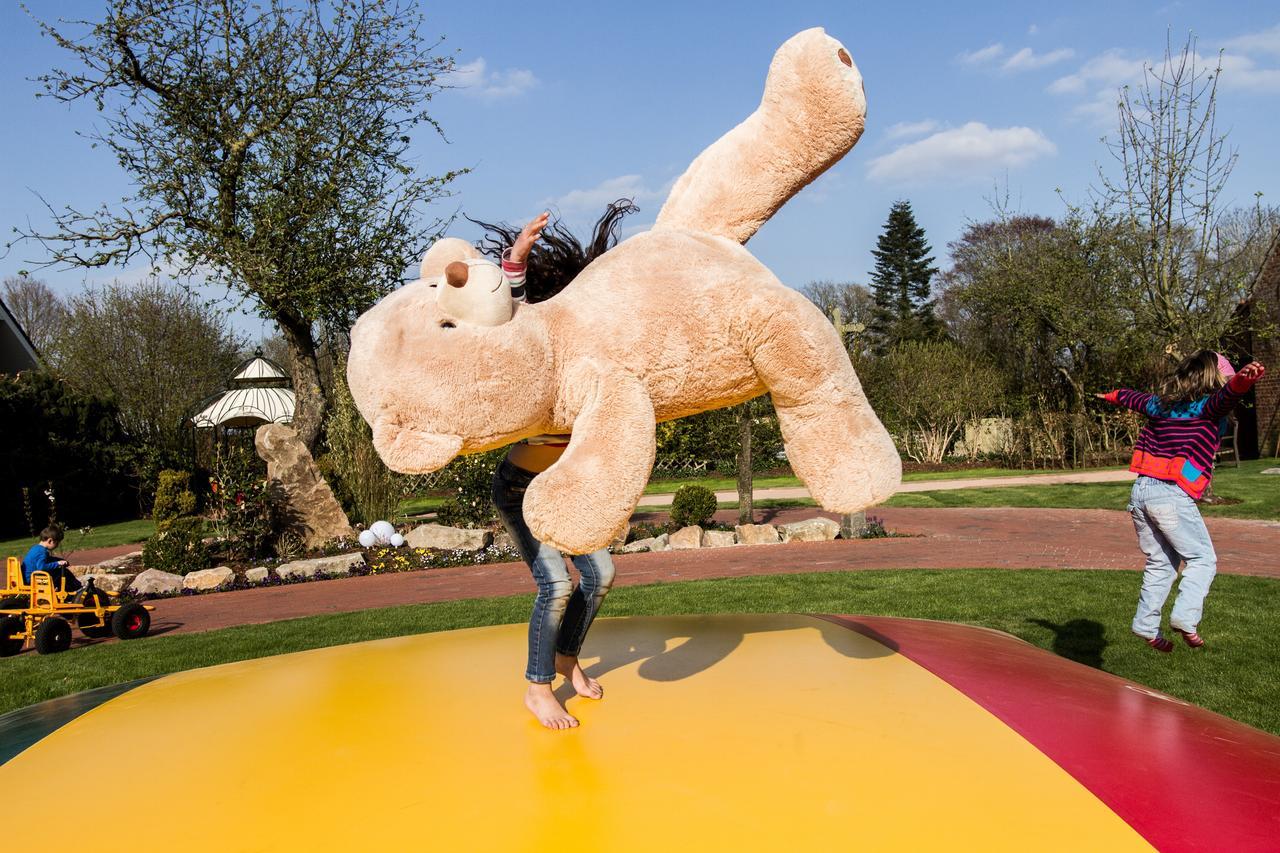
column 1226, row 397
column 1130, row 399
column 516, row 257
column 580, row 503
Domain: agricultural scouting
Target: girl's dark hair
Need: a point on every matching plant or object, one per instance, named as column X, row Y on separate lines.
column 558, row 257
column 1197, row 376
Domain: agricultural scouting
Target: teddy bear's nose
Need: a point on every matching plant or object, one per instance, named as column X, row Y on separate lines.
column 456, row 274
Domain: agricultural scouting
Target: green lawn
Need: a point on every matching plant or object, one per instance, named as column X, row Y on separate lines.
column 1083, row 615
column 123, row 533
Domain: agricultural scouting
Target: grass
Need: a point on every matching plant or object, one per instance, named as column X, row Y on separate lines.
column 123, row 533
column 1258, row 494
column 1083, row 615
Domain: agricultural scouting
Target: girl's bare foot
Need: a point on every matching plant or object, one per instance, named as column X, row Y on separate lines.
column 544, row 705
column 583, row 685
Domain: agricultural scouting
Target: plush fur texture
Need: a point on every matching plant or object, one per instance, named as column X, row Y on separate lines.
column 675, row 321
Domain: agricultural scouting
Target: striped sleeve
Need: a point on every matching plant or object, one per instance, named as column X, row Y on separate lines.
column 514, row 274
column 1136, row 400
column 1220, row 404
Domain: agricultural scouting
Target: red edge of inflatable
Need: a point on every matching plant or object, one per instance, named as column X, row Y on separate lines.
column 1185, row 778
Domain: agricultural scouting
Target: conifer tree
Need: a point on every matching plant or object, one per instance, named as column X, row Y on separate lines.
column 901, row 282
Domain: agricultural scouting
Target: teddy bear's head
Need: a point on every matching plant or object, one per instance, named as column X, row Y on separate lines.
column 486, row 372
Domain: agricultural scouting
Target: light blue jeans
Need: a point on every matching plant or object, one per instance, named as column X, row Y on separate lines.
column 562, row 613
column 1170, row 530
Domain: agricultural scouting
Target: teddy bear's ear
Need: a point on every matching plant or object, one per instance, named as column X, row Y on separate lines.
column 443, row 252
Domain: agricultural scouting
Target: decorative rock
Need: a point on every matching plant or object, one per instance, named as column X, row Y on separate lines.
column 810, row 530
column 290, row 464
column 155, row 582
column 257, row 575
column 320, row 565
column 619, row 541
column 206, row 579
column 718, row 538
column 502, row 539
column 757, row 534
column 656, row 543
column 447, row 538
column 123, row 563
column 111, row 583
column 686, row 538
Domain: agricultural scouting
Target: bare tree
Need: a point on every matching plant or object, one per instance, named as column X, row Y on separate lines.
column 267, row 148
column 38, row 310
column 1166, row 200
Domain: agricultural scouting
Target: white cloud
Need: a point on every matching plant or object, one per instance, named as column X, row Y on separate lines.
column 1027, row 59
column 1032, row 30
column 971, row 151
column 476, row 79
column 593, row 199
column 1241, row 72
column 1267, row 41
column 1109, row 69
column 981, row 56
column 910, row 128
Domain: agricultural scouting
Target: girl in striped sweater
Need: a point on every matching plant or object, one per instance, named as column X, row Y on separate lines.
column 1174, row 462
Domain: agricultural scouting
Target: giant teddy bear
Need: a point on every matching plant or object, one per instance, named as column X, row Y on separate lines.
column 674, row 321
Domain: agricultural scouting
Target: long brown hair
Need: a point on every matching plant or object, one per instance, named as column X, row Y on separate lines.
column 1197, row 376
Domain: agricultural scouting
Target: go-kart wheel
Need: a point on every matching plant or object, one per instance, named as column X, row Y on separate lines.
column 10, row 625
column 131, row 622
column 89, row 624
column 15, row 602
column 53, row 635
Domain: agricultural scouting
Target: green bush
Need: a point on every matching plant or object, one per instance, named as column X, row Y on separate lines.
column 470, row 483
column 177, row 547
column 173, row 497
column 249, row 511
column 692, row 505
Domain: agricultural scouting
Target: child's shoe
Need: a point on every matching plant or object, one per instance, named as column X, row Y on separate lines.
column 1192, row 639
column 1159, row 643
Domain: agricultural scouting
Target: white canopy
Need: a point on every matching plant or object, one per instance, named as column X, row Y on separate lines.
column 246, row 407
column 259, row 368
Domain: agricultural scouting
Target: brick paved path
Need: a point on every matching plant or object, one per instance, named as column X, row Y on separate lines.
column 942, row 539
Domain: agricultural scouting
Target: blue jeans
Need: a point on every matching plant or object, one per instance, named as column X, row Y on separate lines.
column 1170, row 530
column 562, row 614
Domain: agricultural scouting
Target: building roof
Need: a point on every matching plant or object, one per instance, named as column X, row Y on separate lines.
column 17, row 353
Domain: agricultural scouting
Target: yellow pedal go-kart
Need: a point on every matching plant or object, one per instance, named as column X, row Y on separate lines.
column 40, row 612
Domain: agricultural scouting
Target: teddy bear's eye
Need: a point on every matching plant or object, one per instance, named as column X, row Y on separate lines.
column 447, row 324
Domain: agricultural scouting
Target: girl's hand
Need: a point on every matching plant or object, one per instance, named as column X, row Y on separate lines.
column 530, row 235
column 1252, row 371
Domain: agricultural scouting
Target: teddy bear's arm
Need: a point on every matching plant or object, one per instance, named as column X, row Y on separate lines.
column 580, row 503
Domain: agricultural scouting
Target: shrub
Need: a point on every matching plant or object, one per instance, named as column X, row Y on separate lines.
column 249, row 511
column 692, row 505
column 177, row 547
column 470, row 483
column 367, row 489
column 173, row 497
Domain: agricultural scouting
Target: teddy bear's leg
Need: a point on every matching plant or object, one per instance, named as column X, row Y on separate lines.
column 834, row 441
column 582, row 502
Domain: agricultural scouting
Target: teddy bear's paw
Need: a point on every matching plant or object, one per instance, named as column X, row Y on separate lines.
column 567, row 517
column 860, row 474
column 412, row 451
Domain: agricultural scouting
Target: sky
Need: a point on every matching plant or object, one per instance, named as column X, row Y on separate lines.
column 569, row 105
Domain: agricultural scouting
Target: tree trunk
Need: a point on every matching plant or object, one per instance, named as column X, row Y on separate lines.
column 745, row 514
column 304, row 366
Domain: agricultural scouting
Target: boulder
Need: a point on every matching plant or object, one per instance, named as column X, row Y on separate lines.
column 686, row 538
column 320, row 565
column 718, row 538
column 257, row 575
column 115, row 584
column 757, row 534
column 289, row 464
column 502, row 539
column 124, row 563
column 656, row 543
column 155, row 582
column 206, row 579
column 810, row 530
column 447, row 538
